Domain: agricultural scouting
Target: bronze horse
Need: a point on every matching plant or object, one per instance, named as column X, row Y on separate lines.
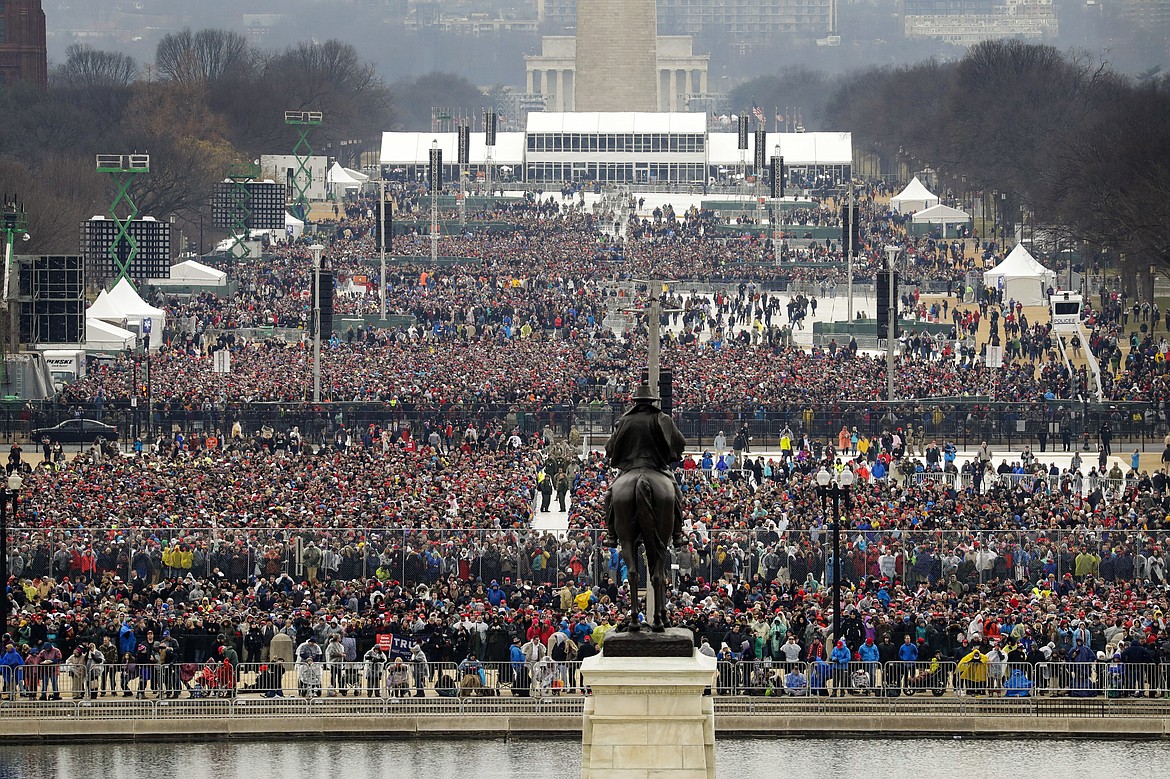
column 642, row 501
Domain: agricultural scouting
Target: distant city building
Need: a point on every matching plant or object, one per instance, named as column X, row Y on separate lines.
column 23, row 56
column 1153, row 15
column 616, row 56
column 749, row 21
column 967, row 22
column 682, row 74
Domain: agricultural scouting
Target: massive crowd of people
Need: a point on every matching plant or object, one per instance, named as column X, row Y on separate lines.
column 205, row 544
column 426, row 535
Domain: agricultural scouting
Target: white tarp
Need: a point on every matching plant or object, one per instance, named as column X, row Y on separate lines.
column 123, row 306
column 941, row 215
column 915, row 197
column 1021, row 278
column 101, row 336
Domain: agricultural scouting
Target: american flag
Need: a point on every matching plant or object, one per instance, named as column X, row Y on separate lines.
column 758, row 113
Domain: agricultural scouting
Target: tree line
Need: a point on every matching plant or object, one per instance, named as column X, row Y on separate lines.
column 1069, row 146
column 1065, row 142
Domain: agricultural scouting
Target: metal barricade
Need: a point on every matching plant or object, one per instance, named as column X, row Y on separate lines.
column 925, row 677
column 1132, row 680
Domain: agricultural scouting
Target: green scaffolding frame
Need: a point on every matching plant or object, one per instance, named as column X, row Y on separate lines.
column 13, row 222
column 240, row 175
column 303, row 122
column 123, row 169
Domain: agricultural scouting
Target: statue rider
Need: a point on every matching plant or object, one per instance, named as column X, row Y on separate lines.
column 645, row 437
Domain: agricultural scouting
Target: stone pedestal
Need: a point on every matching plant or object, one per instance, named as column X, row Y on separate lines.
column 648, row 718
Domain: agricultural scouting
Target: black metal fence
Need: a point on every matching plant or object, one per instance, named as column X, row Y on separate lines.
column 965, row 422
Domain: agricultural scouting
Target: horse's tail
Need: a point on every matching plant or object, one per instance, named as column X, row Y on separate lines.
column 648, row 514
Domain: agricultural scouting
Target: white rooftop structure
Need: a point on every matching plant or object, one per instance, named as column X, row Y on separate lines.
column 405, row 149
column 797, row 149
column 594, row 122
column 621, row 147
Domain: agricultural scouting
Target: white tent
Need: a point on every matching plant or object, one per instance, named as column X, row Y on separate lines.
column 340, row 180
column 293, row 227
column 1021, row 278
column 356, row 175
column 190, row 273
column 102, row 336
column 915, row 197
column 123, row 306
column 941, row 215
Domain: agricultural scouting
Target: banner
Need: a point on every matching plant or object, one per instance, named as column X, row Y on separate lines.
column 392, row 645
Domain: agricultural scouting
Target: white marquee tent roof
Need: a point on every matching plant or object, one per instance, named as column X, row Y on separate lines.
column 942, row 215
column 1021, row 278
column 338, row 177
column 797, row 149
column 103, row 336
column 197, row 273
column 415, row 148
column 915, row 197
column 1019, row 264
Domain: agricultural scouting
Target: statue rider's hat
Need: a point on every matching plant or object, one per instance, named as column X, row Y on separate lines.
column 644, row 393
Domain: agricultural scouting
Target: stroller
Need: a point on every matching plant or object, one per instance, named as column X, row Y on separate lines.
column 930, row 678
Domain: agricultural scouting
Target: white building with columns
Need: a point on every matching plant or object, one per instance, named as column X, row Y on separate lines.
column 682, row 74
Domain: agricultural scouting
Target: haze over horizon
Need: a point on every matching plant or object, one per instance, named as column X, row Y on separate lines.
column 405, row 39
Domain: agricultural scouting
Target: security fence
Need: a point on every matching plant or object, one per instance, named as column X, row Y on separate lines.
column 966, row 422
column 126, row 688
column 420, row 559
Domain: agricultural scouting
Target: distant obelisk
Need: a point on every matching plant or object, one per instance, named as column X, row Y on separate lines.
column 617, row 57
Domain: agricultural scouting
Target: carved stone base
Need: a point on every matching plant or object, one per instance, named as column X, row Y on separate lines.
column 647, row 717
column 675, row 642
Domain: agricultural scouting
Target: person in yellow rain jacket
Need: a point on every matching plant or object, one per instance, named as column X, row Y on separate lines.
column 973, row 672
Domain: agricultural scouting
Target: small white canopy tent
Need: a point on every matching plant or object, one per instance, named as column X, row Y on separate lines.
column 915, row 197
column 356, row 175
column 941, row 215
column 293, row 227
column 340, row 181
column 101, row 336
column 123, row 306
column 191, row 273
column 1021, row 278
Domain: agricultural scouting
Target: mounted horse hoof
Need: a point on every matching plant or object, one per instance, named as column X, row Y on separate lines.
column 659, row 627
column 634, row 627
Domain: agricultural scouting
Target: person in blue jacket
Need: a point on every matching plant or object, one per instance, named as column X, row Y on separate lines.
column 127, row 641
column 840, row 657
column 11, row 666
column 869, row 654
column 907, row 654
column 818, row 678
column 1018, row 685
column 519, row 668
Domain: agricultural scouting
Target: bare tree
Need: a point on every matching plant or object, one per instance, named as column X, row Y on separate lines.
column 90, row 69
column 203, row 57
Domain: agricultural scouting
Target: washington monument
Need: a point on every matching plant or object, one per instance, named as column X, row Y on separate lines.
column 617, row 58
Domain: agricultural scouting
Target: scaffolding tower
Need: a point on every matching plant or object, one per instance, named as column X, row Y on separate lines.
column 303, row 122
column 123, row 169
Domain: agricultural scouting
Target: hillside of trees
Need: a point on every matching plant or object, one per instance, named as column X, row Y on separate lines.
column 1065, row 142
